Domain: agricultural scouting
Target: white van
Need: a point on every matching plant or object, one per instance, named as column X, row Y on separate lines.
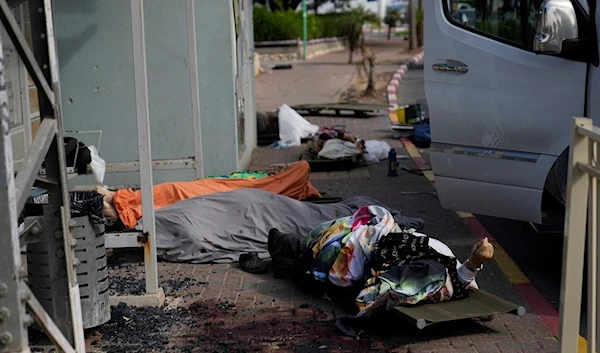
column 502, row 93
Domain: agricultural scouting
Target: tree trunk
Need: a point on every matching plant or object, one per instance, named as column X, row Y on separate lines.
column 412, row 29
column 420, row 26
column 351, row 55
column 390, row 32
column 371, row 81
column 419, row 35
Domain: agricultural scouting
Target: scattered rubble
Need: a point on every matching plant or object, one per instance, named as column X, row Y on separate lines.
column 125, row 285
column 119, row 285
column 143, row 328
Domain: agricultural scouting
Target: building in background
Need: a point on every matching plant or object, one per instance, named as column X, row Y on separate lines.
column 199, row 57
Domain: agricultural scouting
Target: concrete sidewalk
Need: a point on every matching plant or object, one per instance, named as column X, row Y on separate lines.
column 321, row 79
column 223, row 309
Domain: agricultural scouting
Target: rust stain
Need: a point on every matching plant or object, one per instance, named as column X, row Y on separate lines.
column 144, row 241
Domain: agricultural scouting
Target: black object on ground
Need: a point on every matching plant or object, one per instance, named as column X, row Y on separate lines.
column 83, row 203
column 282, row 67
column 251, row 263
column 325, row 200
column 267, row 127
column 348, row 110
column 414, row 171
column 325, row 165
column 353, row 326
column 421, row 137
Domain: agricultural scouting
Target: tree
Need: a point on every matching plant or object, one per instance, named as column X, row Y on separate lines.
column 351, row 24
column 280, row 5
column 368, row 66
column 420, row 17
column 338, row 4
column 284, row 5
column 391, row 19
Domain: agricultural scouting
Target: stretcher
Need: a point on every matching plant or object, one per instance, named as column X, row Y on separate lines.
column 347, row 110
column 318, row 164
column 479, row 305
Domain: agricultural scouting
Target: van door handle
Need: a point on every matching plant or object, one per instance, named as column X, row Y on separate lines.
column 451, row 68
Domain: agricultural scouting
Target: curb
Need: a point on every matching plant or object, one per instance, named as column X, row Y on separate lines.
column 392, row 87
column 519, row 280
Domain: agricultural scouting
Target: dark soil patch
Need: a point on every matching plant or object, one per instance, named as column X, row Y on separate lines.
column 355, row 93
column 119, row 285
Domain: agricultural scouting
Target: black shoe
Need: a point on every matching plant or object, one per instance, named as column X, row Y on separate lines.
column 251, row 263
column 286, row 246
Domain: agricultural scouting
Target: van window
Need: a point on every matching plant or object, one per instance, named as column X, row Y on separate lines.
column 510, row 21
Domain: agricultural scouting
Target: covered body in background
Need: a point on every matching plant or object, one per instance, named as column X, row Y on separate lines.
column 293, row 182
column 221, row 227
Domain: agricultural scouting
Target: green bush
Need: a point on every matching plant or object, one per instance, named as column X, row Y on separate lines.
column 286, row 25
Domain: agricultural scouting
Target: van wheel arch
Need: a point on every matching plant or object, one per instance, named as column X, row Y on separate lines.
column 556, row 181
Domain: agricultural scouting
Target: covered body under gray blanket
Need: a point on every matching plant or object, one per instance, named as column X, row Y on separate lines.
column 220, row 227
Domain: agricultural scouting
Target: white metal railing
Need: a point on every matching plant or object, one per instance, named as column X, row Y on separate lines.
column 581, row 234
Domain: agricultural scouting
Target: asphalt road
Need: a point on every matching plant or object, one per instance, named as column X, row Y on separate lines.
column 538, row 255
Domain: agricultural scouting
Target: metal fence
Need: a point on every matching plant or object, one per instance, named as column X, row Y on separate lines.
column 581, row 239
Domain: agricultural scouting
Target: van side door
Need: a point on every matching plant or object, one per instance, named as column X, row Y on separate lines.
column 500, row 114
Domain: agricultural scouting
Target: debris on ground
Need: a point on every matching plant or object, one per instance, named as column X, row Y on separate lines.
column 119, row 285
column 126, row 285
column 147, row 328
column 282, row 67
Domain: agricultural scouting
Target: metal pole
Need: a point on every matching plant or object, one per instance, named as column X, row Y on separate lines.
column 194, row 90
column 578, row 185
column 13, row 333
column 65, row 307
column 304, row 28
column 144, row 145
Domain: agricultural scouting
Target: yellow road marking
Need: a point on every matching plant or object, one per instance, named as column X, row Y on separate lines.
column 462, row 214
column 429, row 175
column 512, row 272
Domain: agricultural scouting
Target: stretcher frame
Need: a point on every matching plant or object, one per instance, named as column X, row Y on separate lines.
column 479, row 305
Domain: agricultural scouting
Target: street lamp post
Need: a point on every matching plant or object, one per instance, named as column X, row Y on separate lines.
column 304, row 28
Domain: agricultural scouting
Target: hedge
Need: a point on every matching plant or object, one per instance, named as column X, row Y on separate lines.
column 285, row 25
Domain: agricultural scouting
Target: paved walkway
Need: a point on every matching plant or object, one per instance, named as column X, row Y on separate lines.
column 320, row 79
column 234, row 311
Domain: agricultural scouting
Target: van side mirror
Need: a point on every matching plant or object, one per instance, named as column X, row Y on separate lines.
column 556, row 23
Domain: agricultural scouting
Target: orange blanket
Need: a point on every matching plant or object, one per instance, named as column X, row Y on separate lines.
column 292, row 182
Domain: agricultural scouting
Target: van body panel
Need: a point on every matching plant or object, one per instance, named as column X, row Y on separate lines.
column 490, row 199
column 509, row 100
column 499, row 167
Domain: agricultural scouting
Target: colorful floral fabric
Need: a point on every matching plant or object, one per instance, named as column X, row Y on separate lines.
column 242, row 175
column 402, row 285
column 396, row 266
column 343, row 248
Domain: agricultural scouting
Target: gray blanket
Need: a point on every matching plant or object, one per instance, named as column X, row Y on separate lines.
column 220, row 227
